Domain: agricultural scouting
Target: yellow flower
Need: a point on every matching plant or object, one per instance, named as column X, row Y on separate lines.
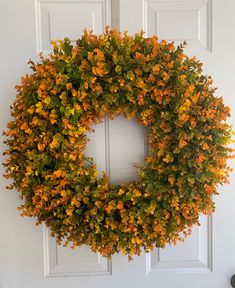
column 169, row 158
column 171, row 180
column 205, row 146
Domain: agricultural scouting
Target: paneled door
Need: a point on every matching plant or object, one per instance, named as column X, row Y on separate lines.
column 29, row 257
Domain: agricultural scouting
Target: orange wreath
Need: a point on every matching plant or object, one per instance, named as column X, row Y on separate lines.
column 113, row 74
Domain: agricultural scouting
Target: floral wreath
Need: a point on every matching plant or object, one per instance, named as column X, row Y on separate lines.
column 117, row 74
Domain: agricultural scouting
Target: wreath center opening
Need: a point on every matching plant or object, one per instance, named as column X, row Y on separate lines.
column 117, row 146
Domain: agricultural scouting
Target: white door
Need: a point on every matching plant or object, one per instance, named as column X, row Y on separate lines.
column 29, row 258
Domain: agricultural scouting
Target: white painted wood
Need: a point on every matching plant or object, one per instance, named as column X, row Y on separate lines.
column 192, row 255
column 59, row 19
column 31, row 259
column 62, row 261
column 197, row 262
column 126, row 148
column 189, row 21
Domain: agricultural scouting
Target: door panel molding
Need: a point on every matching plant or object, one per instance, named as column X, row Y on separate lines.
column 193, row 255
column 56, row 19
column 64, row 262
column 179, row 21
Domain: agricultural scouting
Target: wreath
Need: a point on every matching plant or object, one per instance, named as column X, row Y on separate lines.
column 116, row 74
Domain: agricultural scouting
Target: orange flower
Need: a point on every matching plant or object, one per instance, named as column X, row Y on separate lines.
column 182, row 143
column 120, row 205
column 184, row 117
column 41, row 146
column 156, row 68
